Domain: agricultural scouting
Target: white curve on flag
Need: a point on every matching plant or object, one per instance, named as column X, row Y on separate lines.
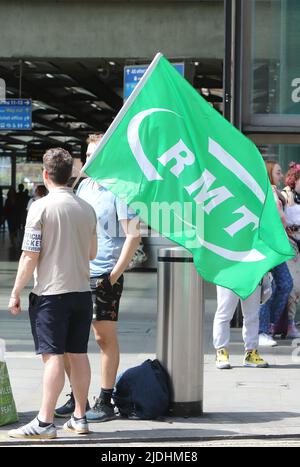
column 135, row 143
column 249, row 256
column 236, row 168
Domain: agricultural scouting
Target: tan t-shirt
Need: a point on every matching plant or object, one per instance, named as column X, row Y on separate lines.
column 60, row 226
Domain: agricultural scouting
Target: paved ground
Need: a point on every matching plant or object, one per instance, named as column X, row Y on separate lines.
column 238, row 403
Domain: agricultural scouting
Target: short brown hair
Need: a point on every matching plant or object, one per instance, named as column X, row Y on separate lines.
column 94, row 138
column 58, row 163
column 41, row 190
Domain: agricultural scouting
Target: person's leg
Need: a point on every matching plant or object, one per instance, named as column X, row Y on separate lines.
column 106, row 310
column 67, row 366
column 292, row 332
column 227, row 303
column 284, row 286
column 49, row 329
column 80, row 381
column 53, row 383
column 265, row 314
column 294, row 297
column 80, row 306
column 105, row 327
column 106, row 335
column 250, row 309
column 67, row 409
column 12, row 233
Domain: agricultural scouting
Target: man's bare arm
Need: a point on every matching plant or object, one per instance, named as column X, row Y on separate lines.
column 27, row 265
column 133, row 237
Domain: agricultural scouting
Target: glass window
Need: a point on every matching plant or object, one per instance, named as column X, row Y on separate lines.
column 29, row 173
column 5, row 171
column 282, row 153
column 273, row 80
column 282, row 148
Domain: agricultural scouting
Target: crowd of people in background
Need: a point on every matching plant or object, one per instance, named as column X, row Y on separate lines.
column 276, row 317
column 14, row 210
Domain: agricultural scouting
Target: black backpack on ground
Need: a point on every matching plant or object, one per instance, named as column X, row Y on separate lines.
column 144, row 391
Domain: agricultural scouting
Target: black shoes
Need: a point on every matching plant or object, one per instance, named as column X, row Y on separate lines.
column 68, row 408
column 101, row 412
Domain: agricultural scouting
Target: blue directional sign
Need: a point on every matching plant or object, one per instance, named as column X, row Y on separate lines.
column 15, row 114
column 134, row 73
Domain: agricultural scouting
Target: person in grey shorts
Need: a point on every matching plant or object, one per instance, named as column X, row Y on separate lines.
column 60, row 239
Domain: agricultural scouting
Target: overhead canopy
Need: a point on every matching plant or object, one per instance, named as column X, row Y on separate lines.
column 74, row 98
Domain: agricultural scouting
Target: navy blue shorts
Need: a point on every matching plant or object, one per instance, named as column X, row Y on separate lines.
column 61, row 323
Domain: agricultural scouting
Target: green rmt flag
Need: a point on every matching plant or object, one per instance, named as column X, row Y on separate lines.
column 194, row 178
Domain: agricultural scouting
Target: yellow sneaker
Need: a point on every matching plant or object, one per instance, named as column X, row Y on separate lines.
column 222, row 359
column 254, row 360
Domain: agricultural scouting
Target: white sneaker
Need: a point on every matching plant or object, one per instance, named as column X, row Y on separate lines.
column 77, row 426
column 34, row 431
column 265, row 340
